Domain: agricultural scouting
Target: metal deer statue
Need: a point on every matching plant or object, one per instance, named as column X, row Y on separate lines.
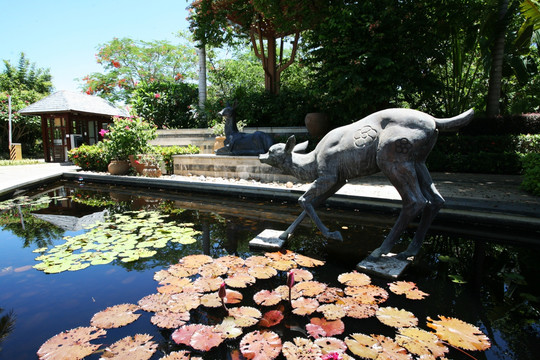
column 393, row 141
column 239, row 143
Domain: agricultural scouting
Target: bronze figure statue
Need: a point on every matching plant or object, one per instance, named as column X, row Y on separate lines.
column 396, row 142
column 239, row 143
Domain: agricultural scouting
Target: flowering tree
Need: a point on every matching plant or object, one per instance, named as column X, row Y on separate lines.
column 167, row 104
column 263, row 22
column 128, row 62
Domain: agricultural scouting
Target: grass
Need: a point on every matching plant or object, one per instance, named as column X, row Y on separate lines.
column 19, row 162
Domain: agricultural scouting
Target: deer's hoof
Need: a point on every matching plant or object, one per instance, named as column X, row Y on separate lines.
column 405, row 255
column 375, row 254
column 335, row 235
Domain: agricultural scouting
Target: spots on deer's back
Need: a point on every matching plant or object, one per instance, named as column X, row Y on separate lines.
column 364, row 136
column 403, row 146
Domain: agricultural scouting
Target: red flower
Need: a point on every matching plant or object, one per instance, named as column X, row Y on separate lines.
column 157, row 95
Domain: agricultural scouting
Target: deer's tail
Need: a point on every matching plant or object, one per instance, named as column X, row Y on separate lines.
column 456, row 122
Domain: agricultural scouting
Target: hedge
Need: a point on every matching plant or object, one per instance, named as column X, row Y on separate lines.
column 531, row 173
column 488, row 154
column 96, row 158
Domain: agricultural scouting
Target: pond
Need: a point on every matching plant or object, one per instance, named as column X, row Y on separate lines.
column 468, row 276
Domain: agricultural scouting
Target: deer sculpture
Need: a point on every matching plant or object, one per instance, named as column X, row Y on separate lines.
column 239, row 143
column 395, row 142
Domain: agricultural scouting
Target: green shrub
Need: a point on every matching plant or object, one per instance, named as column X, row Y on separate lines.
column 169, row 151
column 19, row 162
column 495, row 154
column 531, row 173
column 90, row 157
column 128, row 136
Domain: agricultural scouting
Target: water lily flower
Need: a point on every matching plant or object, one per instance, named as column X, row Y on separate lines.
column 222, row 293
column 332, row 356
column 290, row 283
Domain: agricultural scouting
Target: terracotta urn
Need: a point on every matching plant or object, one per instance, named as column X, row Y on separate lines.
column 317, row 124
column 118, row 167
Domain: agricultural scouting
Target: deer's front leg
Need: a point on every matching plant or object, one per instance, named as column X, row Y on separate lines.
column 320, row 190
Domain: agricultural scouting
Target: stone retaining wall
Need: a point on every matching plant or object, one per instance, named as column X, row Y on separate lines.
column 236, row 167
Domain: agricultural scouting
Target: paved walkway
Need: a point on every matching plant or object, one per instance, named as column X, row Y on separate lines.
column 496, row 196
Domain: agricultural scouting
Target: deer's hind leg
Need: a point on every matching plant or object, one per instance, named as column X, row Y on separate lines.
column 434, row 204
column 405, row 179
column 320, row 190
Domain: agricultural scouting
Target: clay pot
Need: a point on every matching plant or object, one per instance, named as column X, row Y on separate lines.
column 220, row 142
column 118, row 167
column 317, row 124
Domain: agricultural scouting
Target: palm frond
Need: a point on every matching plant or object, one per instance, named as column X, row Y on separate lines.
column 531, row 10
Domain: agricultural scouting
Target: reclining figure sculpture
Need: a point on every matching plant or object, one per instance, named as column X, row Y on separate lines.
column 396, row 142
column 239, row 143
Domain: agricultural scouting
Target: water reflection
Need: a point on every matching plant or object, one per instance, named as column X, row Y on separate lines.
column 489, row 284
column 7, row 324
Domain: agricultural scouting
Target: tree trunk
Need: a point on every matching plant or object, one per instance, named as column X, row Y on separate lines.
column 497, row 55
column 271, row 78
column 201, row 50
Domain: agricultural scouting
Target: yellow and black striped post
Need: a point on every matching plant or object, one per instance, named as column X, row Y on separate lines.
column 15, row 152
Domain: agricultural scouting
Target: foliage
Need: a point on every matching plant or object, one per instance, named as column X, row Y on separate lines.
column 185, row 284
column 107, row 242
column 90, row 157
column 7, row 324
column 71, row 344
column 128, row 136
column 26, row 84
column 25, row 77
column 240, row 79
column 128, row 62
column 531, row 173
column 481, row 154
column 374, row 51
column 168, row 151
column 504, row 125
column 18, row 162
column 263, row 22
column 17, row 217
column 167, row 104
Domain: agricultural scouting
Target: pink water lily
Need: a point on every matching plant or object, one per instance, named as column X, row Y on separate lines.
column 332, row 356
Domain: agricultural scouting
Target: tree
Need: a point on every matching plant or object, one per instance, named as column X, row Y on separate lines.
column 497, row 59
column 25, row 77
column 166, row 104
column 263, row 22
column 128, row 62
column 372, row 55
column 26, row 84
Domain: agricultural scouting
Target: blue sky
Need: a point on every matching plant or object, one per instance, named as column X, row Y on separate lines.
column 64, row 35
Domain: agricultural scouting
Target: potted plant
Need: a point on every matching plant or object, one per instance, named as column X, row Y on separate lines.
column 125, row 137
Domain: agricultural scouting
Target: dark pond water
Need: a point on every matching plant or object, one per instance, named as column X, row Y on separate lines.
column 491, row 284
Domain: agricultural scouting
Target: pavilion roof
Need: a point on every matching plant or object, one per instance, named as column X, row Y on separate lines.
column 68, row 101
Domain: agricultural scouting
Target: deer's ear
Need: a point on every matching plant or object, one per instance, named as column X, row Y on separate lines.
column 301, row 148
column 291, row 142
